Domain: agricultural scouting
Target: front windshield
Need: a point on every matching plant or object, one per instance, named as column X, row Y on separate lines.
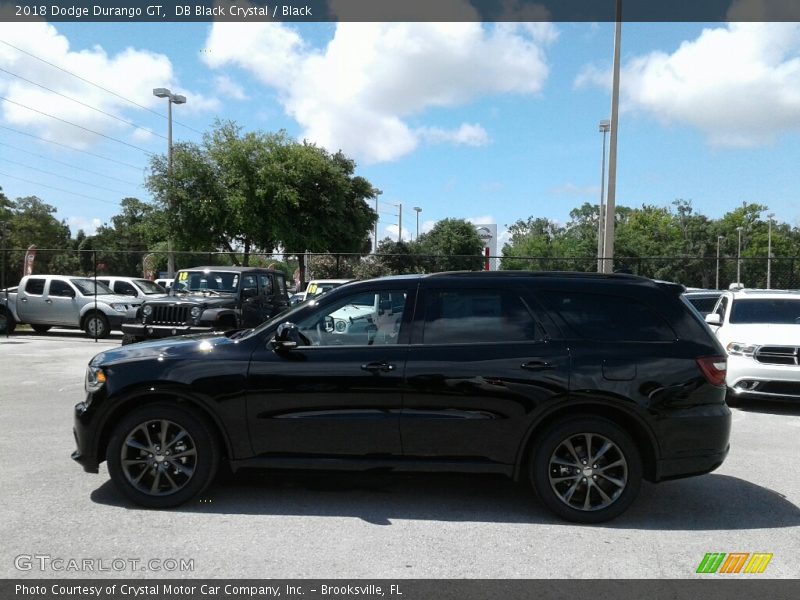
column 206, row 281
column 783, row 311
column 149, row 287
column 87, row 287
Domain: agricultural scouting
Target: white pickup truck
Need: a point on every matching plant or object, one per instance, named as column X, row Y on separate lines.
column 45, row 301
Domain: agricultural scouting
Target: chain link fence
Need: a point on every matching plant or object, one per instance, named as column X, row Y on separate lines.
column 700, row 272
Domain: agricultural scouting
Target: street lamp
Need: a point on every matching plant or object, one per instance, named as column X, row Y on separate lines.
column 605, row 127
column 611, row 200
column 417, row 210
column 739, row 258
column 719, row 238
column 770, row 216
column 171, row 99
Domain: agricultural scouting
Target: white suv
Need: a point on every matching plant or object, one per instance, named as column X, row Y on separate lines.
column 760, row 329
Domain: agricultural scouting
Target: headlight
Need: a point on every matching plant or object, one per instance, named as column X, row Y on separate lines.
column 741, row 349
column 119, row 307
column 340, row 326
column 95, row 378
column 147, row 310
column 196, row 311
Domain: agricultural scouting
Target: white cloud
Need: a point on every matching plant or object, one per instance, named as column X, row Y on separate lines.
column 131, row 73
column 358, row 92
column 592, row 75
column 89, row 225
column 739, row 84
column 228, row 88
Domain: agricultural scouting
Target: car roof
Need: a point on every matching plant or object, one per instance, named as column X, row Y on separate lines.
column 233, row 269
column 765, row 294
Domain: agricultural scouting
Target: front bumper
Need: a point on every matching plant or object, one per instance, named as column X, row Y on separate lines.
column 749, row 379
column 145, row 331
column 84, row 455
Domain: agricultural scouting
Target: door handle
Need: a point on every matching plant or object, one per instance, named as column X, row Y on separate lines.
column 23, row 299
column 536, row 365
column 49, row 301
column 374, row 367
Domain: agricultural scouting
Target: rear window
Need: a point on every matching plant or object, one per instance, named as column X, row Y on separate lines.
column 34, row 286
column 608, row 317
column 704, row 305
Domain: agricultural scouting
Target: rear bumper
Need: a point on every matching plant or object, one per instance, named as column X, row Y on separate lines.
column 676, row 468
column 145, row 331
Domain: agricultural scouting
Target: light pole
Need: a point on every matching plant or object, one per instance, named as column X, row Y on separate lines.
column 417, row 210
column 610, row 220
column 605, row 127
column 4, row 233
column 400, row 223
column 739, row 258
column 719, row 238
column 171, row 99
column 769, row 251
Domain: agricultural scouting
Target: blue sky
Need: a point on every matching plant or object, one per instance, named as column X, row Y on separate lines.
column 491, row 123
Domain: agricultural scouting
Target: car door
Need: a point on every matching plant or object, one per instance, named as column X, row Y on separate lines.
column 60, row 298
column 481, row 363
column 30, row 300
column 340, row 393
column 252, row 301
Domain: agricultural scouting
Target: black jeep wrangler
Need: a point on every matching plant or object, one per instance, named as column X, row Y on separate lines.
column 206, row 299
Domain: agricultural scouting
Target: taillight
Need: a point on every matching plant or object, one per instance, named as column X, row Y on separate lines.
column 713, row 368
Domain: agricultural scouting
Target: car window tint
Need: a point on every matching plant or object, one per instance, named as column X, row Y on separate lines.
column 608, row 318
column 281, row 285
column 34, row 286
column 248, row 281
column 704, row 305
column 766, row 310
column 722, row 307
column 60, row 288
column 361, row 319
column 123, row 287
column 477, row 316
column 265, row 282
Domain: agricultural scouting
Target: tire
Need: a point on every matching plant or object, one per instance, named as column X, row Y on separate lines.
column 96, row 325
column 128, row 338
column 7, row 323
column 583, row 493
column 153, row 480
column 41, row 328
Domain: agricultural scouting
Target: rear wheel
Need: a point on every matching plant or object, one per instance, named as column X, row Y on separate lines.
column 586, row 470
column 96, row 325
column 41, row 328
column 162, row 455
column 7, row 323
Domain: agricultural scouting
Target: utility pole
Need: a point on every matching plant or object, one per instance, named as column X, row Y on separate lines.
column 610, row 217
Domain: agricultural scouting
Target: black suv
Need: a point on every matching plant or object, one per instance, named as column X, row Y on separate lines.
column 205, row 299
column 582, row 384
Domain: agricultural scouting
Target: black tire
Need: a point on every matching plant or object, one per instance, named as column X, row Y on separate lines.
column 567, row 485
column 128, row 338
column 95, row 324
column 176, row 487
column 41, row 328
column 7, row 323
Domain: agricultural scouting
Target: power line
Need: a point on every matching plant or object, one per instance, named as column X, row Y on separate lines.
column 41, row 139
column 99, row 187
column 99, row 86
column 108, row 137
column 71, row 166
column 58, row 189
column 101, row 111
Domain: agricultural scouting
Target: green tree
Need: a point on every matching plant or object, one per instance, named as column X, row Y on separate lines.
column 452, row 245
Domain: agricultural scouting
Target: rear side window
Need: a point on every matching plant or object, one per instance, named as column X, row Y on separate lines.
column 124, row 288
column 477, row 316
column 34, row 286
column 608, row 318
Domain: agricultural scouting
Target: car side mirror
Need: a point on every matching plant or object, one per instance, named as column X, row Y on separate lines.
column 287, row 337
column 714, row 319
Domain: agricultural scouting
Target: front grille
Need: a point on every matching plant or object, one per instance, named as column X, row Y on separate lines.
column 170, row 314
column 778, row 355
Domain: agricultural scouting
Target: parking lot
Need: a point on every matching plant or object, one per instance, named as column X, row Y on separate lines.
column 335, row 525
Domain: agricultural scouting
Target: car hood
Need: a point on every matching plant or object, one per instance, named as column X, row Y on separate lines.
column 761, row 334
column 185, row 346
column 194, row 299
column 117, row 299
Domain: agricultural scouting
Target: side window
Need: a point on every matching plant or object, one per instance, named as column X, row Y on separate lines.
column 34, row 287
column 61, row 288
column 360, row 319
column 478, row 316
column 608, row 318
column 248, row 282
column 722, row 308
column 265, row 283
column 124, row 288
column 281, row 284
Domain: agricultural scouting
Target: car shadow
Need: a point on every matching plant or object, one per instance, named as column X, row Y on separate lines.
column 769, row 408
column 710, row 502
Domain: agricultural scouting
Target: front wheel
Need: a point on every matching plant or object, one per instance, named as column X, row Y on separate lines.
column 96, row 326
column 586, row 470
column 162, row 455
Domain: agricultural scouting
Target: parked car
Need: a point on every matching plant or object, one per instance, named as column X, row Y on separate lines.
column 165, row 283
column 582, row 384
column 760, row 329
column 206, row 299
column 135, row 287
column 45, row 301
column 316, row 287
column 703, row 300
